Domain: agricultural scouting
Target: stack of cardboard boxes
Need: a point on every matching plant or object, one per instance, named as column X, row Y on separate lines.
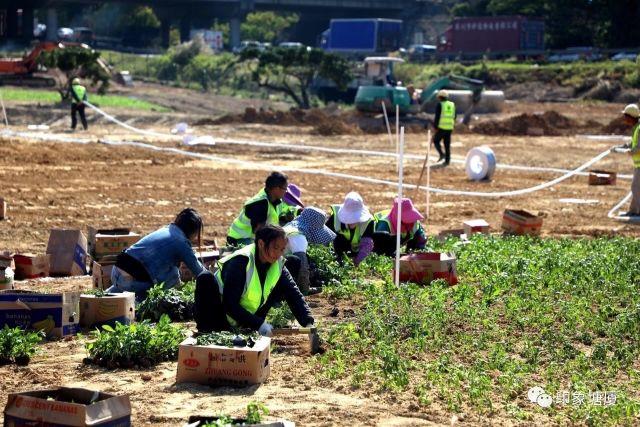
column 104, row 247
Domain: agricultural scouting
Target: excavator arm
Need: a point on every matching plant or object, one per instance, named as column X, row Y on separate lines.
column 454, row 82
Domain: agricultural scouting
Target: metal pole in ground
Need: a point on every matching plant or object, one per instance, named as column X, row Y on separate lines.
column 399, row 220
column 4, row 111
column 397, row 134
column 386, row 122
column 428, row 169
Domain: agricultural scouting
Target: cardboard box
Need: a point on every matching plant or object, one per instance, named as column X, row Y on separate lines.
column 208, row 258
column 107, row 309
column 3, row 209
column 601, row 177
column 101, row 274
column 6, row 278
column 516, row 221
column 30, row 266
column 422, row 268
column 57, row 314
column 218, row 365
column 64, row 406
column 105, row 242
column 68, row 250
column 475, row 226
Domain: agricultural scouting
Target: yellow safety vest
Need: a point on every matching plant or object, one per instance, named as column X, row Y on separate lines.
column 447, row 115
column 255, row 293
column 80, row 91
column 241, row 227
column 382, row 218
column 345, row 231
column 634, row 145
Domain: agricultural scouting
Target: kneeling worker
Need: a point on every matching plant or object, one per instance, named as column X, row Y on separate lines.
column 247, row 284
column 411, row 234
column 155, row 258
column 353, row 224
column 266, row 207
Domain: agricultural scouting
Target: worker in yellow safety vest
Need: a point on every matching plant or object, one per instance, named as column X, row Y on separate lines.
column 385, row 231
column 78, row 94
column 246, row 284
column 266, row 207
column 631, row 116
column 444, row 122
column 353, row 224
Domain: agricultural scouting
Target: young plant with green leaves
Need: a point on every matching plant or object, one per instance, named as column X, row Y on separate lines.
column 139, row 345
column 17, row 345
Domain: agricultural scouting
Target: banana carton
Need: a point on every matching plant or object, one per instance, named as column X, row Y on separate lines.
column 56, row 314
column 63, row 406
column 96, row 310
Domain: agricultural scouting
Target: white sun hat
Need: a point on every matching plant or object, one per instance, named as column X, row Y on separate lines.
column 353, row 210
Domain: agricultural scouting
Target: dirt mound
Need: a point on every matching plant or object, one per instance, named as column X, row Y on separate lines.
column 550, row 123
column 616, row 127
column 325, row 121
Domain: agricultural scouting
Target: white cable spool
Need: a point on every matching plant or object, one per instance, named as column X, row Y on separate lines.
column 480, row 163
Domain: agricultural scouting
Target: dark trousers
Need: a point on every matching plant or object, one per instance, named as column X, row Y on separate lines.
column 440, row 136
column 79, row 108
column 209, row 310
column 384, row 244
column 293, row 264
column 342, row 246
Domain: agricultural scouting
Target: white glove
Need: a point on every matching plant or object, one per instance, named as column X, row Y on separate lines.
column 266, row 330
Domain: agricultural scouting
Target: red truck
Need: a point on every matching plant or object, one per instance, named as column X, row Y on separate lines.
column 493, row 35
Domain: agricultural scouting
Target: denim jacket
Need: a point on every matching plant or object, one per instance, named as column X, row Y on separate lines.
column 161, row 253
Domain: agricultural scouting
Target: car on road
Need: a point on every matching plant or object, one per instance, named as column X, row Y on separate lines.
column 624, row 56
column 248, row 44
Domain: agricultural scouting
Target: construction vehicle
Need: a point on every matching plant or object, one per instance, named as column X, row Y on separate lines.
column 468, row 94
column 24, row 71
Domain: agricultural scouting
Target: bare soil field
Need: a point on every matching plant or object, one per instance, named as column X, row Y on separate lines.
column 53, row 184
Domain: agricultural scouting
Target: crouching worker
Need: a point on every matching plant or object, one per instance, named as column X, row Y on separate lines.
column 246, row 284
column 266, row 207
column 308, row 228
column 353, row 224
column 412, row 233
column 155, row 258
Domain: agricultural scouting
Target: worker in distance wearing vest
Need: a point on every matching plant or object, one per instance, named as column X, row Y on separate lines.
column 385, row 229
column 246, row 284
column 353, row 224
column 78, row 95
column 264, row 208
column 444, row 122
column 308, row 228
column 631, row 115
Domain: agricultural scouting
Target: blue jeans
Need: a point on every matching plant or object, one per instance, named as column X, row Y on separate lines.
column 123, row 282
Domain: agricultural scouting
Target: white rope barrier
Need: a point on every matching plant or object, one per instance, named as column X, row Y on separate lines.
column 613, row 212
column 327, row 149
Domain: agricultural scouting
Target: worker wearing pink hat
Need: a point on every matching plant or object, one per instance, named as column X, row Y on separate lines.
column 353, row 224
column 412, row 233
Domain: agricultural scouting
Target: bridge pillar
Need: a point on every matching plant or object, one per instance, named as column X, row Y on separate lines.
column 12, row 22
column 234, row 27
column 165, row 30
column 52, row 24
column 185, row 28
column 27, row 23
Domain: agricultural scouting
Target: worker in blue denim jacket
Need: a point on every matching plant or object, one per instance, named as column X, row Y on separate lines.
column 155, row 258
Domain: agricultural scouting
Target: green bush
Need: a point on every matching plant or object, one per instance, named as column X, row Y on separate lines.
column 177, row 303
column 137, row 345
column 18, row 345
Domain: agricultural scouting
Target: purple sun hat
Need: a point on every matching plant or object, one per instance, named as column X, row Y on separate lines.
column 292, row 196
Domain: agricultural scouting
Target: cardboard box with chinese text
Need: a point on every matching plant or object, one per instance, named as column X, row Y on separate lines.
column 424, row 267
column 521, row 222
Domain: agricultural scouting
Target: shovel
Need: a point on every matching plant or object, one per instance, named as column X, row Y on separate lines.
column 314, row 338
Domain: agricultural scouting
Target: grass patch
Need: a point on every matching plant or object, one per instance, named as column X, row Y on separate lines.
column 52, row 97
column 562, row 314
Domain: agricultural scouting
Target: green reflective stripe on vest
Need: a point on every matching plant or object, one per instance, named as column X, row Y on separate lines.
column 255, row 293
column 447, row 115
column 382, row 217
column 241, row 227
column 346, row 231
column 634, row 145
column 79, row 90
